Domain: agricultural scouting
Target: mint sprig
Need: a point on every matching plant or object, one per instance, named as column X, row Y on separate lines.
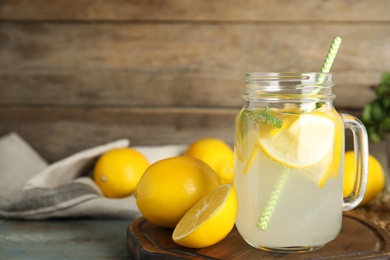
column 376, row 114
column 271, row 119
column 263, row 115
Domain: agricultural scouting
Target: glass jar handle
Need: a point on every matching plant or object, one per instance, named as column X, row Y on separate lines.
column 360, row 141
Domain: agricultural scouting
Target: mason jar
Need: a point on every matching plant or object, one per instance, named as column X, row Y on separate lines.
column 289, row 153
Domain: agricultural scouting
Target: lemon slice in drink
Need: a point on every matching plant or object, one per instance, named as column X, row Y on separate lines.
column 318, row 173
column 210, row 220
column 338, row 147
column 302, row 143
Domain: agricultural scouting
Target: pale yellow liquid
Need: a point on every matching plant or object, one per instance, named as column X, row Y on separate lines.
column 305, row 215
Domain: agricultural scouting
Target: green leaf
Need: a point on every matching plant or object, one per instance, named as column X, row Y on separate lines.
column 383, row 89
column 271, row 119
column 386, row 78
column 377, row 113
column 386, row 104
column 374, row 138
column 384, row 127
column 366, row 115
column 319, row 105
column 263, row 115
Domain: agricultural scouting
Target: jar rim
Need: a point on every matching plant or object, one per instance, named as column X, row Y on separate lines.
column 294, row 85
column 307, row 77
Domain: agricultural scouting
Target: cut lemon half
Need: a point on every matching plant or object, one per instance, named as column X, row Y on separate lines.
column 210, row 220
column 301, row 144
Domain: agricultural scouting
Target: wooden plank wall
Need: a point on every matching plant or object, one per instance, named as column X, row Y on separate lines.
column 78, row 73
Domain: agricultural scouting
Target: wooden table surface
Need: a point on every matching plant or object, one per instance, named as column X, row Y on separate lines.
column 63, row 239
column 106, row 239
column 378, row 211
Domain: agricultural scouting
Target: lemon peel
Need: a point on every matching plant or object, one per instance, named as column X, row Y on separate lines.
column 302, row 144
column 208, row 221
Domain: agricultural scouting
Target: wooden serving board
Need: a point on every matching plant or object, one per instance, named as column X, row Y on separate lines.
column 358, row 239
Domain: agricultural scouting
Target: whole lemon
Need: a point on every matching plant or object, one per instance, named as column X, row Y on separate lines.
column 170, row 187
column 118, row 171
column 375, row 178
column 217, row 154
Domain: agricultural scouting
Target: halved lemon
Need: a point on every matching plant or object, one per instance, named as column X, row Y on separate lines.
column 301, row 144
column 210, row 220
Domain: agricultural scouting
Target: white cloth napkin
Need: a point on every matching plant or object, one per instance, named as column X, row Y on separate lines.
column 32, row 189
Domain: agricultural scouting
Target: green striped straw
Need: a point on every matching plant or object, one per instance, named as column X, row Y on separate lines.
column 281, row 181
column 269, row 207
column 330, row 57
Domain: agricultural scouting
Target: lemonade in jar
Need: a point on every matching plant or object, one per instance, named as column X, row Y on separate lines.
column 289, row 150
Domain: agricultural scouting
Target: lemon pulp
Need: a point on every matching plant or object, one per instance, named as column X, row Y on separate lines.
column 210, row 220
column 309, row 142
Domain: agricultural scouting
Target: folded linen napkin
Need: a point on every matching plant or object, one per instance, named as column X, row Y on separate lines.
column 32, row 189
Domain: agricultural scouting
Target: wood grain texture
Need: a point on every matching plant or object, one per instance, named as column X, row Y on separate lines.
column 133, row 89
column 74, row 74
column 57, row 132
column 64, row 239
column 200, row 10
column 88, row 239
column 164, row 65
column 148, row 241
